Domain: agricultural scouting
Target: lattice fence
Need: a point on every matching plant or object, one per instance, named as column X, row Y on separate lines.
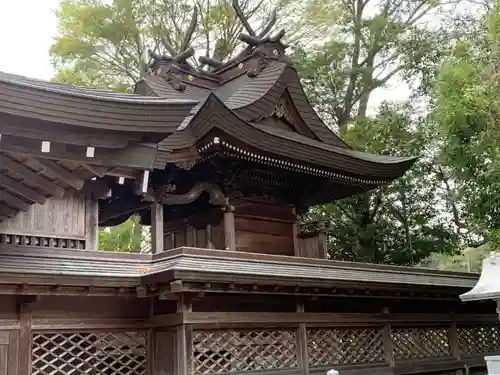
column 243, row 350
column 118, row 353
column 329, row 346
column 479, row 340
column 420, row 343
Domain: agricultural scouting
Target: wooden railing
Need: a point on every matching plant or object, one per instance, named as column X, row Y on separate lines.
column 217, row 344
column 322, row 347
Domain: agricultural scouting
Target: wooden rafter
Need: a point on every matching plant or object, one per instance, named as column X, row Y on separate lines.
column 18, row 188
column 97, row 171
column 6, row 211
column 13, row 201
column 29, row 175
column 61, row 172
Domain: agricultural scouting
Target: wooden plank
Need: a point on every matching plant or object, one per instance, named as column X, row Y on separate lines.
column 165, row 355
column 21, row 189
column 13, row 354
column 285, row 318
column 62, row 173
column 4, row 358
column 12, row 200
column 29, row 175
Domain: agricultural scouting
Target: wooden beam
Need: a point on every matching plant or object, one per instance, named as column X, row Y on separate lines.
column 134, row 156
column 62, row 173
column 96, row 189
column 97, row 171
column 29, row 175
column 6, row 211
column 12, row 200
column 71, row 135
column 22, row 190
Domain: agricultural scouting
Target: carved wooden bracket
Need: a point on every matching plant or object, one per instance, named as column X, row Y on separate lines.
column 216, row 198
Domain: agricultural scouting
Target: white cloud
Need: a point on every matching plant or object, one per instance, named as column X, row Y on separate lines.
column 26, row 31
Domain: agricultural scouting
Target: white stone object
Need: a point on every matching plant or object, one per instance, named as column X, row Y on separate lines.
column 488, row 286
column 493, row 364
column 332, row 372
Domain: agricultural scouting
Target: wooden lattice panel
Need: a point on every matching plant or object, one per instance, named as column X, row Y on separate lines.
column 478, row 340
column 330, row 346
column 420, row 343
column 118, row 353
column 243, row 350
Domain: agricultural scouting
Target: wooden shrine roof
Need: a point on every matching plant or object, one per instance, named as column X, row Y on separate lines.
column 54, row 137
column 80, row 268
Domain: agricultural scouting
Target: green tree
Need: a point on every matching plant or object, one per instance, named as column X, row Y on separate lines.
column 126, row 237
column 469, row 259
column 105, row 43
column 397, row 224
column 373, row 43
column 467, row 109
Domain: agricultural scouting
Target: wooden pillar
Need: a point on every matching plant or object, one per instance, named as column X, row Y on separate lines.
column 302, row 353
column 184, row 339
column 323, row 241
column 296, row 230
column 157, row 235
column 91, row 224
column 387, row 337
column 454, row 345
column 229, row 227
column 25, row 334
column 209, row 244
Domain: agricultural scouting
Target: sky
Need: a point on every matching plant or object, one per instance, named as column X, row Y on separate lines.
column 27, row 28
column 26, row 31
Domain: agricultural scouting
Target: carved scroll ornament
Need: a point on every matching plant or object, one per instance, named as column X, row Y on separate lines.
column 216, row 197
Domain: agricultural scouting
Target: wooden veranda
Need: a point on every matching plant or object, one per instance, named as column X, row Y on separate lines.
column 198, row 312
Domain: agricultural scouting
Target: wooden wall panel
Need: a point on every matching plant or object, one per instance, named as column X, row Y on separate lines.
column 309, row 247
column 4, row 352
column 264, row 236
column 58, row 217
column 67, row 307
column 8, row 307
column 180, row 234
column 164, row 361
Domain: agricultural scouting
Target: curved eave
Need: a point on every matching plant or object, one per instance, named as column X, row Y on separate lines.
column 97, row 109
column 257, row 97
column 488, row 286
column 213, row 114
